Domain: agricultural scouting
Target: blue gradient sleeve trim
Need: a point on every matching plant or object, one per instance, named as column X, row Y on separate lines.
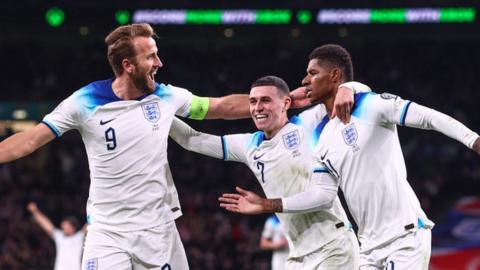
column 224, row 148
column 358, row 102
column 320, row 170
column 318, row 131
column 420, row 224
column 257, row 139
column 404, row 113
column 295, row 120
column 52, row 128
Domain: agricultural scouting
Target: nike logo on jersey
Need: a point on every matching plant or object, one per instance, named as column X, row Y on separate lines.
column 106, row 122
column 322, row 157
column 255, row 157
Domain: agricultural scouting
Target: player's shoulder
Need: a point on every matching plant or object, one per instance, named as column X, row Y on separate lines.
column 255, row 139
column 368, row 102
column 167, row 90
column 313, row 113
column 96, row 93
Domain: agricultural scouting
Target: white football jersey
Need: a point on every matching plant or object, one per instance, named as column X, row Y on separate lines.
column 273, row 230
column 126, row 143
column 283, row 167
column 69, row 250
column 366, row 158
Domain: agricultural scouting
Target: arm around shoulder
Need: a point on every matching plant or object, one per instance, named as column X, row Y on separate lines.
column 195, row 141
column 234, row 106
column 24, row 143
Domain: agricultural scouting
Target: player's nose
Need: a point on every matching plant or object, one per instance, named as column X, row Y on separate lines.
column 306, row 80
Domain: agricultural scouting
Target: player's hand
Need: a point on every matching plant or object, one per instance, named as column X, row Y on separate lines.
column 245, row 202
column 342, row 107
column 32, row 207
column 300, row 98
column 476, row 146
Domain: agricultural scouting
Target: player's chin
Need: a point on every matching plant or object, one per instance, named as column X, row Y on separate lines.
column 150, row 86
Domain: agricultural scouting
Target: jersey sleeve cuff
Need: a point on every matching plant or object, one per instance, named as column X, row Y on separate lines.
column 52, row 128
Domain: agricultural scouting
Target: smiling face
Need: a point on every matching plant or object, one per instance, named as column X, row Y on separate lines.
column 268, row 108
column 320, row 82
column 145, row 64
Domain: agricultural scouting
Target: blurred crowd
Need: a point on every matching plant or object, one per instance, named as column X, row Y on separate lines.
column 439, row 75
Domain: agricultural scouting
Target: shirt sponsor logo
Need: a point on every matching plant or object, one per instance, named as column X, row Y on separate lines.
column 350, row 135
column 151, row 111
column 291, row 140
column 91, row 264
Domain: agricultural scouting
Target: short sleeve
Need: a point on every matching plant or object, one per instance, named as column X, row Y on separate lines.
column 64, row 117
column 235, row 147
column 57, row 235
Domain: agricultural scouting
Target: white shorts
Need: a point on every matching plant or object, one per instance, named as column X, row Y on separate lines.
column 340, row 253
column 155, row 248
column 411, row 251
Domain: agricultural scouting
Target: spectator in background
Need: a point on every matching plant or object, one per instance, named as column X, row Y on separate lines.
column 68, row 241
column 273, row 239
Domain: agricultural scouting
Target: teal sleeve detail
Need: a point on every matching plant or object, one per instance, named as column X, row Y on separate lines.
column 198, row 108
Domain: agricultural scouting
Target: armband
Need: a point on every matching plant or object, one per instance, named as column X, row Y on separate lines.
column 198, row 108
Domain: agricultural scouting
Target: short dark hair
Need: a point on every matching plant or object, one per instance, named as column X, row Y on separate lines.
column 73, row 221
column 336, row 56
column 120, row 45
column 275, row 81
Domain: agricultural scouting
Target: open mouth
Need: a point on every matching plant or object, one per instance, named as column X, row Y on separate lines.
column 309, row 92
column 151, row 75
column 261, row 117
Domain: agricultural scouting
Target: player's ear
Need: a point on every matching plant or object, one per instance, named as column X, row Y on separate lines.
column 287, row 102
column 336, row 75
column 127, row 66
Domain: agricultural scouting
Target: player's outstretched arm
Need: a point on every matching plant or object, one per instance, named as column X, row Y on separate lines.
column 249, row 203
column 234, row 106
column 419, row 116
column 320, row 195
column 195, row 141
column 24, row 143
column 40, row 218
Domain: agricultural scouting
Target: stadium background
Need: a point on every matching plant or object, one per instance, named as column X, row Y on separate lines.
column 435, row 64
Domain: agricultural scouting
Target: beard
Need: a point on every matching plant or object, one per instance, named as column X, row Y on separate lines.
column 142, row 82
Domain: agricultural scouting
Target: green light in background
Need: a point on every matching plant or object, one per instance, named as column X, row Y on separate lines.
column 55, row 16
column 388, row 16
column 457, row 14
column 122, row 16
column 204, row 16
column 277, row 16
column 304, row 16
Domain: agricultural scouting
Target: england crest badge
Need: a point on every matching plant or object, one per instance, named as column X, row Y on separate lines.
column 91, row 264
column 350, row 135
column 291, row 140
column 151, row 111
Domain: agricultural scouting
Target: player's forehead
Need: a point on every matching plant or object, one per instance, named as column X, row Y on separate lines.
column 314, row 65
column 144, row 45
column 264, row 91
